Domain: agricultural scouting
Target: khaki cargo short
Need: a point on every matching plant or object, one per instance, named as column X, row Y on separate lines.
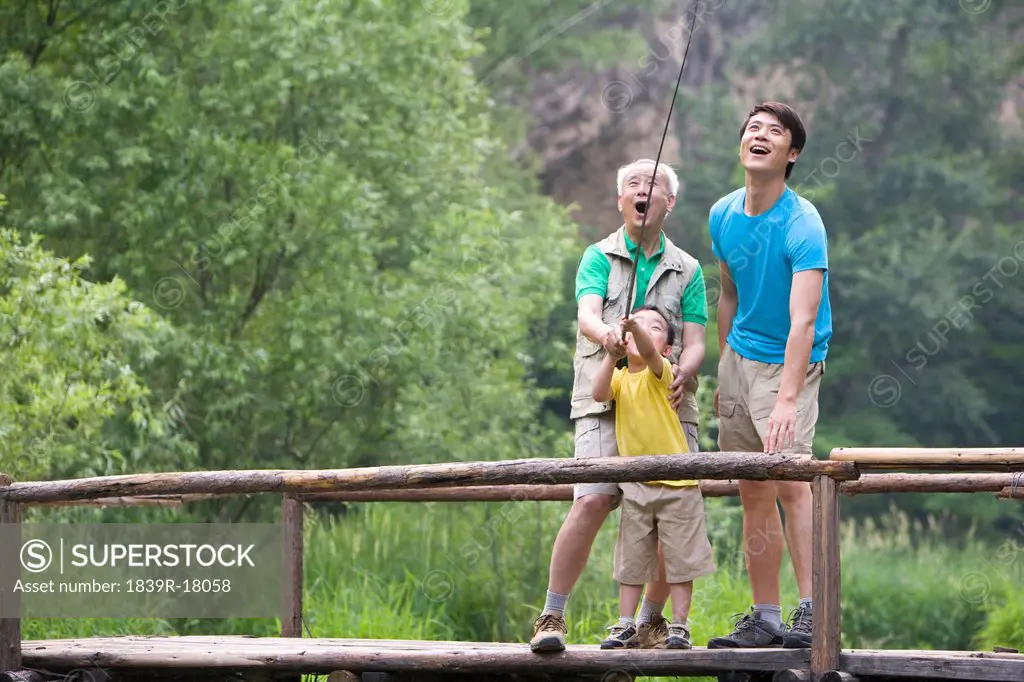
column 747, row 391
column 595, row 437
column 673, row 515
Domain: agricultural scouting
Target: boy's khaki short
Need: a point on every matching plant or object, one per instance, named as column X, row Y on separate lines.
column 747, row 391
column 595, row 437
column 673, row 515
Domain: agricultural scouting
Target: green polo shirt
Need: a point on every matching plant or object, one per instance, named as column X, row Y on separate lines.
column 592, row 278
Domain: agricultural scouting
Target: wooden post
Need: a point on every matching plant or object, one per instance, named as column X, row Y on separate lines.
column 291, row 616
column 10, row 628
column 291, row 594
column 826, row 577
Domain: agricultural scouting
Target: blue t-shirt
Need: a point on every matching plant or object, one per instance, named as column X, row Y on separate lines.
column 763, row 253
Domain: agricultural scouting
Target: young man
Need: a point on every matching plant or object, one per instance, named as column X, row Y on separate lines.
column 669, row 512
column 774, row 325
column 667, row 277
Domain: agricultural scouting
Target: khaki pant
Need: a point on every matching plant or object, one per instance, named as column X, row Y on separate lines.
column 595, row 437
column 747, row 391
column 673, row 515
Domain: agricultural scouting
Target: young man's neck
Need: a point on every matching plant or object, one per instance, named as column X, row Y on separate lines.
column 652, row 237
column 762, row 192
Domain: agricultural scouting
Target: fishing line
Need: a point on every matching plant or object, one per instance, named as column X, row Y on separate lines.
column 657, row 160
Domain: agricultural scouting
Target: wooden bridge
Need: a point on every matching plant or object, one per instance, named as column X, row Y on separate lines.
column 846, row 472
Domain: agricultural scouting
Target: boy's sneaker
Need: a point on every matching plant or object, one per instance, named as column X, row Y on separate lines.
column 621, row 637
column 548, row 633
column 653, row 635
column 678, row 637
column 799, row 634
column 750, row 633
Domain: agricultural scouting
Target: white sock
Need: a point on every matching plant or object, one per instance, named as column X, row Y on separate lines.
column 648, row 609
column 555, row 603
column 770, row 613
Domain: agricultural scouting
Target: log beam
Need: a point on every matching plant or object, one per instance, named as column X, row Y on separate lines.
column 610, row 676
column 715, row 465
column 791, row 675
column 171, row 502
column 866, row 484
column 323, row 656
column 22, row 676
column 920, row 665
column 985, row 459
column 967, row 482
column 1012, row 492
column 838, row 676
column 488, row 493
column 344, row 676
column 888, row 482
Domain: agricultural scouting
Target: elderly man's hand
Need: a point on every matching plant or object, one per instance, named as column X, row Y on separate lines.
column 613, row 343
column 677, row 389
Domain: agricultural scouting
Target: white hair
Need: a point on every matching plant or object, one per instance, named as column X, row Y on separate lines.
column 670, row 173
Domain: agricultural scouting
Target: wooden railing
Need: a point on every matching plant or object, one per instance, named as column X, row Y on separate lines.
column 846, row 471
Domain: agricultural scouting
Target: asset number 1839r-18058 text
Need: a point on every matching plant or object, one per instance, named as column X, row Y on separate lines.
column 135, row 586
column 184, row 585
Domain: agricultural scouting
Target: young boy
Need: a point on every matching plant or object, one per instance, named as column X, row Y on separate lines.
column 646, row 424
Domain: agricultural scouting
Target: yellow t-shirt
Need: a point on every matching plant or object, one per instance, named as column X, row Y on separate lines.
column 645, row 423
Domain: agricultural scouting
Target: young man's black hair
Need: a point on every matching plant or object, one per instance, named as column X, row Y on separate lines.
column 789, row 119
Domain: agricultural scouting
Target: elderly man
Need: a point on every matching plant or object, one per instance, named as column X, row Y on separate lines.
column 671, row 279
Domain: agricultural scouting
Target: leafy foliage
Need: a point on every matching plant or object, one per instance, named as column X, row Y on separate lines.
column 314, row 196
column 73, row 396
column 917, row 178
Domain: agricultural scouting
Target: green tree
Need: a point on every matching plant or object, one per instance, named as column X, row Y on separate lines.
column 900, row 165
column 73, row 396
column 313, row 193
column 911, row 169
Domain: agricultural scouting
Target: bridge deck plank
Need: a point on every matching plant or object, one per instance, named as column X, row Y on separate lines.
column 371, row 655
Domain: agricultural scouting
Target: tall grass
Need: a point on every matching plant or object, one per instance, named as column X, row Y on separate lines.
column 478, row 572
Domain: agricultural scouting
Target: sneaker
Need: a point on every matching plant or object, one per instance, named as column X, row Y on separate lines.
column 653, row 635
column 750, row 633
column 678, row 637
column 548, row 633
column 799, row 633
column 621, row 637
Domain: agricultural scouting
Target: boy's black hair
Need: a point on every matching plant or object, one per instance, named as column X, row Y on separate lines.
column 671, row 329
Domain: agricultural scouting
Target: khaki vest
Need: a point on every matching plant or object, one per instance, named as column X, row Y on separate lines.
column 668, row 281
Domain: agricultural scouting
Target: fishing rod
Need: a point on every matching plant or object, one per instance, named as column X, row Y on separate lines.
column 657, row 160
